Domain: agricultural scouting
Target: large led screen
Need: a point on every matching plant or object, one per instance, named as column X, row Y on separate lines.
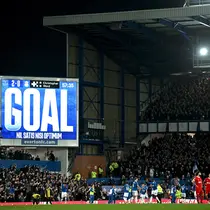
column 39, row 112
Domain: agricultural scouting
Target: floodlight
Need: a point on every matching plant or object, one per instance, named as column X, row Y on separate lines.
column 203, row 51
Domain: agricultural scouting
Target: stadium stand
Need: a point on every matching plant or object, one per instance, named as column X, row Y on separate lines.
column 186, row 99
column 168, row 159
column 175, row 155
column 18, row 185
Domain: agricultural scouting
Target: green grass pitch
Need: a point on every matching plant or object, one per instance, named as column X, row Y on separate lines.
column 112, row 207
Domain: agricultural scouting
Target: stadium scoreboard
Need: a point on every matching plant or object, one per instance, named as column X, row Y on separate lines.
column 39, row 111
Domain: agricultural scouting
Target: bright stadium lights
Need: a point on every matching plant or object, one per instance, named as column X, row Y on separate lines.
column 203, row 51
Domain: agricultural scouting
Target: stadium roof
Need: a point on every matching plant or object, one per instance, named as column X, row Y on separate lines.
column 149, row 42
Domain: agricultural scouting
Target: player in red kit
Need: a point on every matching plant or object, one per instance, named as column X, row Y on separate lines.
column 198, row 187
column 207, row 187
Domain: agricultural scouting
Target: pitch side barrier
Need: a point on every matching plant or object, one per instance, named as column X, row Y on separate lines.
column 164, row 201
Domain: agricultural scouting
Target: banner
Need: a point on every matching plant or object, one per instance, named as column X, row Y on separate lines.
column 164, row 201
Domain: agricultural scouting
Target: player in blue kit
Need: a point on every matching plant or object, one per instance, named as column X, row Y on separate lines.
column 154, row 192
column 173, row 194
column 92, row 192
column 135, row 188
column 130, row 195
column 112, row 195
column 126, row 193
column 64, row 192
column 183, row 191
column 143, row 193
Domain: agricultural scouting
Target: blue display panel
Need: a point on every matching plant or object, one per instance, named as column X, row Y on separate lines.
column 40, row 112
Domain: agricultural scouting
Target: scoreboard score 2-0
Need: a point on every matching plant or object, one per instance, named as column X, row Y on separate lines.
column 39, row 111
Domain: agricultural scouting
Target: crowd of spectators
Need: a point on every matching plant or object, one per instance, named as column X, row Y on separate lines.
column 168, row 157
column 165, row 158
column 18, row 185
column 186, row 99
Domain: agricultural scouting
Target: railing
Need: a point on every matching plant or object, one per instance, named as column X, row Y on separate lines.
column 174, row 126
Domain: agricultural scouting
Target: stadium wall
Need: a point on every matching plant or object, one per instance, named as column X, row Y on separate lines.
column 130, row 107
column 115, row 87
column 85, row 164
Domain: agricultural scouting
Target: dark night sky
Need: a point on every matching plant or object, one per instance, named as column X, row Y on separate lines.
column 28, row 49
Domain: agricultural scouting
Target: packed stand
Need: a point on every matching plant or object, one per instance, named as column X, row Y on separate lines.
column 175, row 155
column 18, row 185
column 165, row 158
column 186, row 99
